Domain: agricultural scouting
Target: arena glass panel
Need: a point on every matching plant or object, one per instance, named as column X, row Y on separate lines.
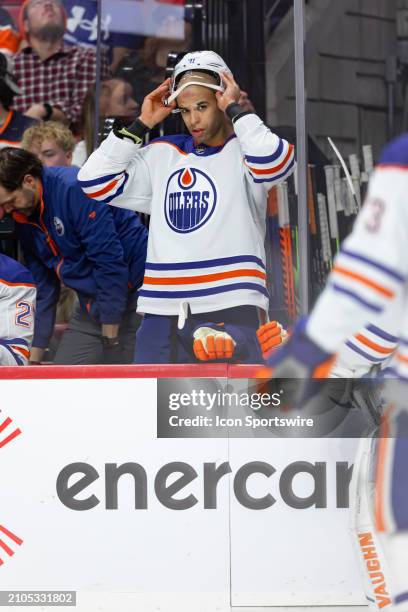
column 256, row 39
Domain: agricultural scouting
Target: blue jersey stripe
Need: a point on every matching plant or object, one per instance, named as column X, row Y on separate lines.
column 392, row 273
column 269, row 158
column 274, row 178
column 389, row 372
column 381, row 333
column 203, row 292
column 209, row 263
column 357, row 298
column 15, row 341
column 401, row 597
column 363, row 353
column 100, row 180
column 117, row 193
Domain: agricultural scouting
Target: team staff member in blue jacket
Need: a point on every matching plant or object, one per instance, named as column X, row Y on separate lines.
column 96, row 250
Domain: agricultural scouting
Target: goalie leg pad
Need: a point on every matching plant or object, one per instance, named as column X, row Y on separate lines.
column 373, row 563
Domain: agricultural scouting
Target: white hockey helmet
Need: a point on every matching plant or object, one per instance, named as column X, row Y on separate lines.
column 203, row 61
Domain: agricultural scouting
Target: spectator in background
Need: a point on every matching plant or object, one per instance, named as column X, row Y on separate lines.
column 10, row 39
column 82, row 29
column 12, row 123
column 54, row 77
column 116, row 100
column 145, row 67
column 52, row 142
column 97, row 251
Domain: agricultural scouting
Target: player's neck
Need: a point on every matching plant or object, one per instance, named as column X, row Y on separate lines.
column 219, row 139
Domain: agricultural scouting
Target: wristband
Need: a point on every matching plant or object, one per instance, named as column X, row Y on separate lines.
column 109, row 342
column 234, row 111
column 48, row 111
column 134, row 132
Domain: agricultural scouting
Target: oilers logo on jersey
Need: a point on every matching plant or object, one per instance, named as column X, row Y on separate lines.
column 191, row 198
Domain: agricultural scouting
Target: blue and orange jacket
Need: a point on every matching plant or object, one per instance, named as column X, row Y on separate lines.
column 97, row 250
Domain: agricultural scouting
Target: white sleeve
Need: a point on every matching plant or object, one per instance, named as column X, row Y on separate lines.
column 371, row 269
column 117, row 173
column 268, row 159
column 17, row 309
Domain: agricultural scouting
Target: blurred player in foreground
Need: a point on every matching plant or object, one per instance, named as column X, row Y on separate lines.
column 206, row 193
column 369, row 279
column 17, row 307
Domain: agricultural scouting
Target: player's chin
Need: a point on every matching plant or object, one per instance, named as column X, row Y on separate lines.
column 199, row 136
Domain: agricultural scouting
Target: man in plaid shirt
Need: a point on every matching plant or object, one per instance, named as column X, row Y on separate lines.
column 54, row 78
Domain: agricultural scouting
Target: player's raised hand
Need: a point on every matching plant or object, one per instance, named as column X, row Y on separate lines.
column 231, row 94
column 154, row 110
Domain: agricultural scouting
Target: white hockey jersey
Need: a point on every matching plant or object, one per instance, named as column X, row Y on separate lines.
column 17, row 307
column 207, row 207
column 369, row 278
column 373, row 346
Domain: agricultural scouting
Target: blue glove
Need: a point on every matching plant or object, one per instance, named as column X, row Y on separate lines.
column 300, row 357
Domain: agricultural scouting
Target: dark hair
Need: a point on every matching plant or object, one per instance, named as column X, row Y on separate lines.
column 15, row 164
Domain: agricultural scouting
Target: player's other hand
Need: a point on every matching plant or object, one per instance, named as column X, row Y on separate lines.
column 153, row 109
column 231, row 94
column 210, row 344
column 300, row 357
column 270, row 336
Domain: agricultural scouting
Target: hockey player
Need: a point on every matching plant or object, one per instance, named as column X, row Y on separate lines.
column 17, row 307
column 206, row 194
column 96, row 251
column 369, row 277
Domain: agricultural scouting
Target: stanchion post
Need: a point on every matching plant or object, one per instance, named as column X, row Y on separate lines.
column 301, row 154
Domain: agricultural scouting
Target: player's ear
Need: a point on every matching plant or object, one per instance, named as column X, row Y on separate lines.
column 29, row 181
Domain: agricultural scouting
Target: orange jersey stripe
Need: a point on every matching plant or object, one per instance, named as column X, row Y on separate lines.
column 21, row 350
column 16, row 284
column 365, row 281
column 107, row 188
column 206, row 278
column 373, row 345
column 401, row 358
column 5, row 124
column 11, row 143
column 58, row 269
column 275, row 168
column 171, row 144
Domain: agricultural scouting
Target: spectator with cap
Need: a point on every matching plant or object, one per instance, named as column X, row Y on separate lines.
column 12, row 123
column 53, row 77
column 52, row 142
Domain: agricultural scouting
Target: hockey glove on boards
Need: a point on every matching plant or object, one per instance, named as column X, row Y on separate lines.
column 300, row 357
column 270, row 336
column 213, row 343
